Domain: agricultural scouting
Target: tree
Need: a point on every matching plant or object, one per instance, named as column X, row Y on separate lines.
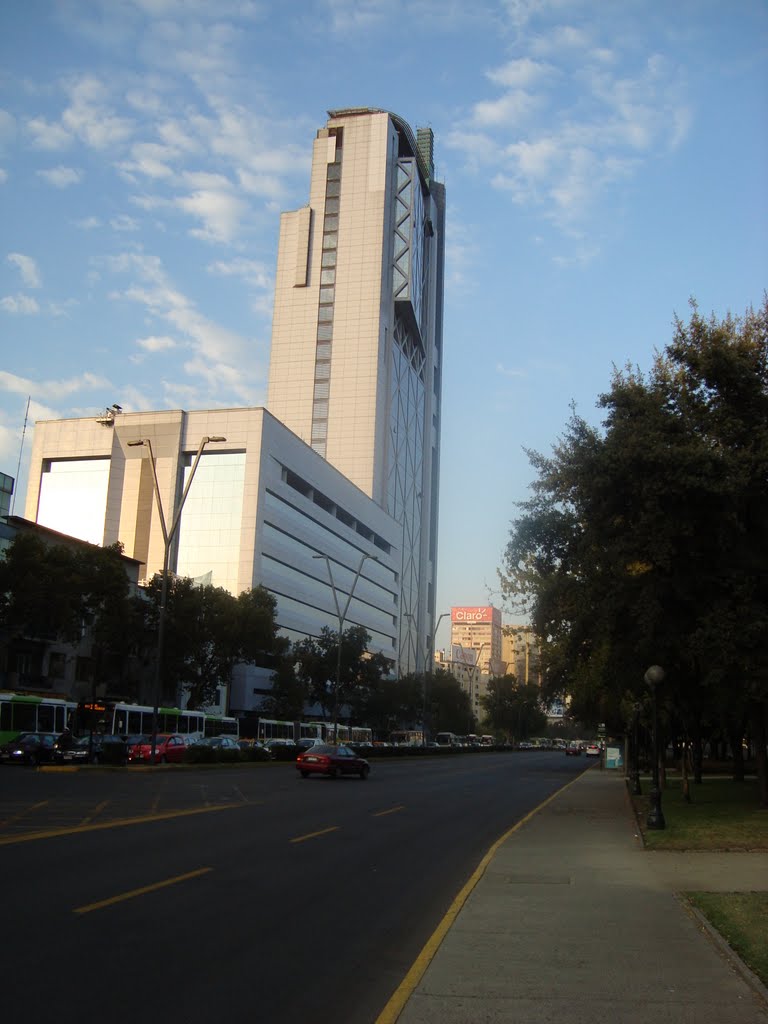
column 514, row 708
column 320, row 660
column 207, row 632
column 450, row 708
column 645, row 541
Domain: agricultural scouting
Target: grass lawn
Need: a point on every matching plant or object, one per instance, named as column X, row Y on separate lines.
column 722, row 815
column 742, row 920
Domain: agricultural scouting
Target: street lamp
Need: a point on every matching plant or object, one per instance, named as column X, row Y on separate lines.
column 655, row 820
column 635, row 772
column 168, row 536
column 428, row 671
column 341, row 616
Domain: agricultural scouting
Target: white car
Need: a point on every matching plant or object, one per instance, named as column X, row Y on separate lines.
column 593, row 750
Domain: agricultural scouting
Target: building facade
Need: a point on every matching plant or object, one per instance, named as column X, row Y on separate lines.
column 356, row 359
column 520, row 650
column 476, row 631
column 262, row 508
column 332, row 491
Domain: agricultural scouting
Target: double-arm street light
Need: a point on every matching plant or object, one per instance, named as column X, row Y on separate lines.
column 653, row 677
column 168, row 535
column 341, row 615
column 428, row 669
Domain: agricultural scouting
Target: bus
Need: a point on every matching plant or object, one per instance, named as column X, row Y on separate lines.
column 447, row 739
column 407, row 738
column 318, row 732
column 30, row 712
column 123, row 719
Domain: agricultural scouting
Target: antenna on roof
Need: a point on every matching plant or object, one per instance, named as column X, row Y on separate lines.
column 21, row 449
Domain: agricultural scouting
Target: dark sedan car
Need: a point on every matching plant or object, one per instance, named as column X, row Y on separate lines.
column 28, row 748
column 97, row 749
column 327, row 759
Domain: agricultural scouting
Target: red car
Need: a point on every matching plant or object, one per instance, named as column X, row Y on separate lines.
column 169, row 748
column 328, row 759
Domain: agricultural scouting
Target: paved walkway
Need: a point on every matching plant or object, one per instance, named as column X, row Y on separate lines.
column 572, row 921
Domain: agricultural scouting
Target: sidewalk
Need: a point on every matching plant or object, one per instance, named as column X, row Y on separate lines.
column 572, row 921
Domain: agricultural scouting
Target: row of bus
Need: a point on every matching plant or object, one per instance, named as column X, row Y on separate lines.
column 299, row 732
column 26, row 712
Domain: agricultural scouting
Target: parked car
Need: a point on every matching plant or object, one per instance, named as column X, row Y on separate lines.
column 28, row 748
column 593, row 750
column 326, row 759
column 98, row 749
column 217, row 743
column 169, row 748
column 573, row 750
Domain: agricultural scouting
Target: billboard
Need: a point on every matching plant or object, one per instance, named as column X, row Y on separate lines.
column 463, row 655
column 476, row 614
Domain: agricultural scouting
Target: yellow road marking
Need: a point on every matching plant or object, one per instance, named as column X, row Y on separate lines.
column 311, row 835
column 27, row 810
column 392, row 810
column 96, row 812
column 117, row 823
column 407, row 986
column 140, row 892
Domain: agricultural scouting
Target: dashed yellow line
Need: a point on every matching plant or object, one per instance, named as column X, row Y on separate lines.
column 27, row 810
column 140, row 892
column 392, row 810
column 312, row 835
column 117, row 823
column 96, row 812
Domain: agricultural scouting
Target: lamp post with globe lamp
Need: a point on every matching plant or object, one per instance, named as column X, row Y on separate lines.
column 653, row 678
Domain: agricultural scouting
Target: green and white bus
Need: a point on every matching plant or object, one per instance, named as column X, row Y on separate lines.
column 123, row 719
column 30, row 712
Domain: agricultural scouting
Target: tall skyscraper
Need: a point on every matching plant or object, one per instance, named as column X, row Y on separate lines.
column 356, row 362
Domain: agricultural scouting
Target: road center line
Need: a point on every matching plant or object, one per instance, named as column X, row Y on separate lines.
column 311, row 835
column 392, row 810
column 140, row 892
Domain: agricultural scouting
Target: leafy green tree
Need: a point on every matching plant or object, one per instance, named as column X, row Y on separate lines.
column 645, row 541
column 390, row 704
column 450, row 707
column 514, row 708
column 321, row 660
column 289, row 692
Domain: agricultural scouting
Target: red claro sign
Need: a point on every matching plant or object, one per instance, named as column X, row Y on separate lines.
column 472, row 614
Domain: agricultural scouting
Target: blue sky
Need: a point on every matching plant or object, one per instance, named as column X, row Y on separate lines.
column 604, row 162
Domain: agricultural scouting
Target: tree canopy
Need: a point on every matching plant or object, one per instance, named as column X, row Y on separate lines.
column 645, row 540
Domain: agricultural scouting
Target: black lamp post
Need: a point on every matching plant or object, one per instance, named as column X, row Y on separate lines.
column 655, row 820
column 635, row 772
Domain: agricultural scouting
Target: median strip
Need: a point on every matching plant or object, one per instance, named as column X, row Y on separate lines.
column 140, row 892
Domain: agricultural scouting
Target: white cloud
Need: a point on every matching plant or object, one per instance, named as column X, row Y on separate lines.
column 23, row 305
column 505, row 371
column 27, row 267
column 50, row 389
column 519, row 74
column 48, row 135
column 220, row 211
column 91, row 118
column 155, row 343
column 3, row 176
column 124, row 223
column 87, row 223
column 61, row 177
column 510, row 109
column 218, row 353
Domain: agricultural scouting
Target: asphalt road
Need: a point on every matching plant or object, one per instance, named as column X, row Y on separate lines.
column 197, row 895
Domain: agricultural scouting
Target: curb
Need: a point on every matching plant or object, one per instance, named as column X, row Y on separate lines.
column 724, row 949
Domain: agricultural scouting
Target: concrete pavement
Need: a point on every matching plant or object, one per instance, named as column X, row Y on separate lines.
column 569, row 919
